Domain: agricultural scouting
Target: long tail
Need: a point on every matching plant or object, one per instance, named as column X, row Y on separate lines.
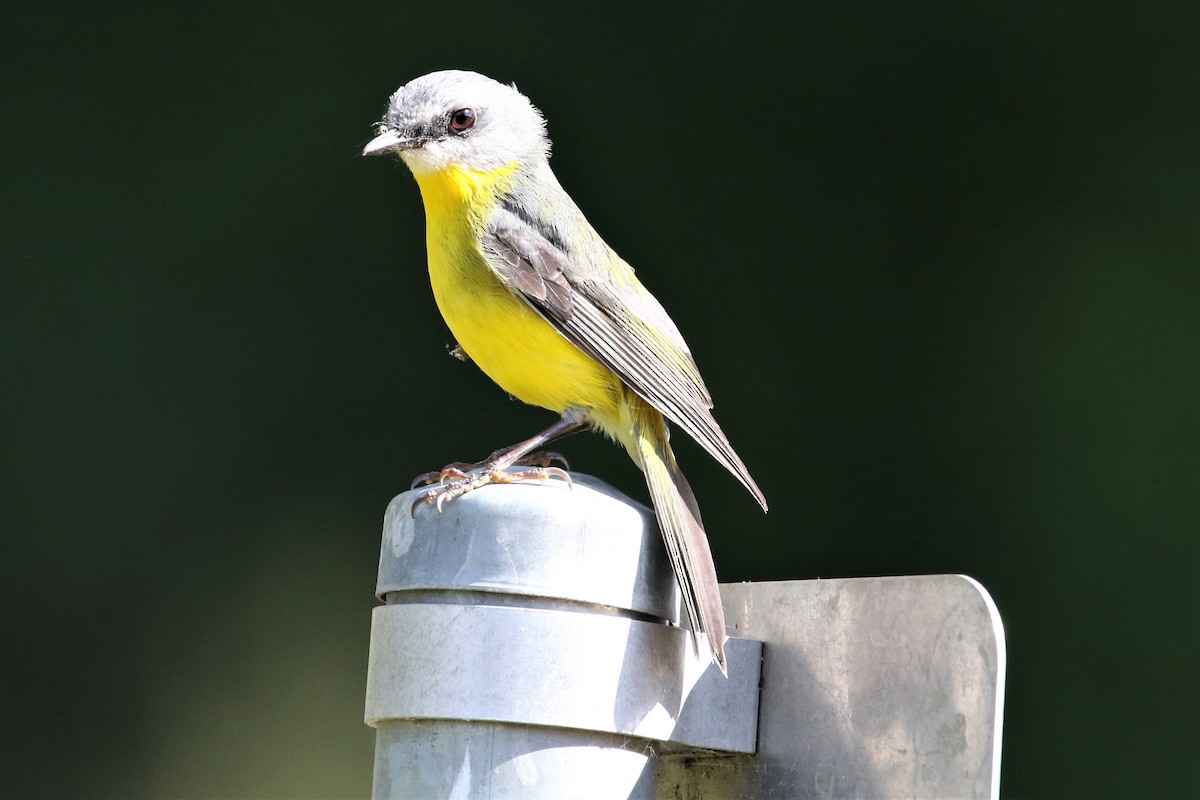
column 683, row 533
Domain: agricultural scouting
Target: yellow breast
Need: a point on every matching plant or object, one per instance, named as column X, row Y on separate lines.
column 514, row 346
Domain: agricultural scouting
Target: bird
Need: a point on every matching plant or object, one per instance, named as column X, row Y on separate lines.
column 547, row 310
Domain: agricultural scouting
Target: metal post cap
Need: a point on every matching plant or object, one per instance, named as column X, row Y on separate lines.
column 584, row 542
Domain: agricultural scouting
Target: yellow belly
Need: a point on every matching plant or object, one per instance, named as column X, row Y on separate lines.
column 507, row 339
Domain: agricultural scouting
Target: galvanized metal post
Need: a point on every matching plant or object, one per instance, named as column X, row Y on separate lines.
column 529, row 647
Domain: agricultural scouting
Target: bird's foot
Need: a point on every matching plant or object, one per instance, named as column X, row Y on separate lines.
column 453, row 482
column 458, row 469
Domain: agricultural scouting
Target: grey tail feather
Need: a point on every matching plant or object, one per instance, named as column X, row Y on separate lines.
column 686, row 543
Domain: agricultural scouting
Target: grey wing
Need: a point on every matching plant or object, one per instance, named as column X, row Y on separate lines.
column 615, row 321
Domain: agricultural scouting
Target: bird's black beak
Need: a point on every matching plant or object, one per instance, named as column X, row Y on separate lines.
column 390, row 141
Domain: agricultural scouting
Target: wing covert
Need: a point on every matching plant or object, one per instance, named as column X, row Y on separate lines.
column 616, row 322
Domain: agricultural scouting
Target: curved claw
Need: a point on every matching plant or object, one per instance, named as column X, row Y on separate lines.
column 546, row 459
column 424, row 499
column 457, row 469
column 451, row 473
column 424, row 479
column 546, row 473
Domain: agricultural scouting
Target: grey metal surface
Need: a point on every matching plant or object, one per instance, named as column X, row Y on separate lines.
column 872, row 688
column 564, row 669
column 589, row 543
column 426, row 760
column 523, row 652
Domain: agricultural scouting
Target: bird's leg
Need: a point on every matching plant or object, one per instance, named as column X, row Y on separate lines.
column 454, row 481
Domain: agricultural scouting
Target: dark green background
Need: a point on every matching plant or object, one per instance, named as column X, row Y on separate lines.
column 938, row 262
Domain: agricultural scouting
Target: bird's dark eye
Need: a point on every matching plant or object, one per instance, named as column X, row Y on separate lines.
column 461, row 120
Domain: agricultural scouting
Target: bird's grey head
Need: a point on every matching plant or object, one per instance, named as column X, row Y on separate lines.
column 456, row 118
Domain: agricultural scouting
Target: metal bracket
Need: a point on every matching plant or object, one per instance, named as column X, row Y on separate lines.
column 559, row 669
